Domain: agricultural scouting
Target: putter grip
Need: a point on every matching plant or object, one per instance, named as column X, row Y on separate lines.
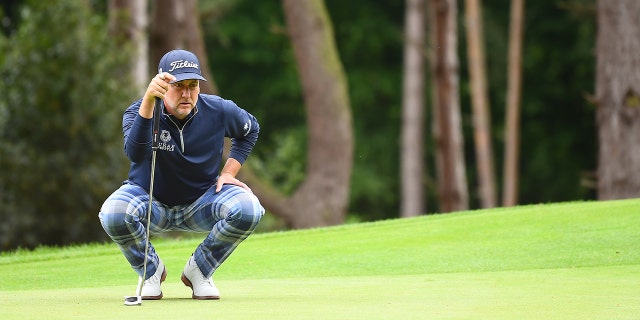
column 156, row 123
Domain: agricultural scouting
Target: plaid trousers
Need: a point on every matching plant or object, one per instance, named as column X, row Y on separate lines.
column 229, row 217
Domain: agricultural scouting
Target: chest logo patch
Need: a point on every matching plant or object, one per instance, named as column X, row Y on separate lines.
column 165, row 136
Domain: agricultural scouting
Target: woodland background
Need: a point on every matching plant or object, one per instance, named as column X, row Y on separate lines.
column 327, row 81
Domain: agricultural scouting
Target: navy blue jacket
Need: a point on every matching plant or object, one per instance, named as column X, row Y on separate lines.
column 189, row 154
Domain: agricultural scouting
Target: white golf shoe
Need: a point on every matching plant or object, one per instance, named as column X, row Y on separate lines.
column 203, row 288
column 151, row 288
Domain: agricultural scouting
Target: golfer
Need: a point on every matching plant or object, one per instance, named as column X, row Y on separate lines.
column 190, row 191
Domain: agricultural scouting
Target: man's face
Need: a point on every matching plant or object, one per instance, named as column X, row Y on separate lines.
column 181, row 97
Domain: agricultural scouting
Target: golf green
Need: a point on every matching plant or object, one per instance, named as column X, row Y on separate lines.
column 554, row 261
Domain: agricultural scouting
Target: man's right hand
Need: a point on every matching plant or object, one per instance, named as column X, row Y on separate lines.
column 157, row 88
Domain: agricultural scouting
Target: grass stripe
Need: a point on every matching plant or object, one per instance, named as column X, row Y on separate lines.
column 581, row 293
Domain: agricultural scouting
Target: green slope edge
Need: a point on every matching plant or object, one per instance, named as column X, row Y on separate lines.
column 547, row 236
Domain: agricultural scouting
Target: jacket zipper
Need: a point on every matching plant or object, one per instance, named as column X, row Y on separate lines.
column 180, row 129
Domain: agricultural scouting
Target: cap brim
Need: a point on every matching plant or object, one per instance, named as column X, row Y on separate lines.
column 188, row 76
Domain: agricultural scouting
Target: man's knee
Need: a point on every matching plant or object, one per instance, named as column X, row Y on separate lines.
column 249, row 212
column 114, row 217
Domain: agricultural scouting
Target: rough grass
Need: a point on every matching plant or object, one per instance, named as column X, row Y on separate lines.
column 554, row 261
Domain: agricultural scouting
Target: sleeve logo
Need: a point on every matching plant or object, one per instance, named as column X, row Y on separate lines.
column 247, row 127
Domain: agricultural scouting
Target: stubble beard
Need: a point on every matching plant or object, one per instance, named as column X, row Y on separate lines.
column 181, row 111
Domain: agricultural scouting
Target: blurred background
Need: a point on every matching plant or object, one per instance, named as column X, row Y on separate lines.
column 369, row 109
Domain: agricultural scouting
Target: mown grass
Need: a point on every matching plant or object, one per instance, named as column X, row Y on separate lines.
column 555, row 261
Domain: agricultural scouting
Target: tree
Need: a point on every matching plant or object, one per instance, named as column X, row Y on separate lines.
column 61, row 156
column 412, row 202
column 618, row 98
column 480, row 104
column 514, row 87
column 452, row 181
column 176, row 25
column 322, row 198
column 254, row 66
column 128, row 20
column 330, row 156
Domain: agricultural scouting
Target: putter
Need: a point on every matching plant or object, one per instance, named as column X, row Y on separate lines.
column 137, row 299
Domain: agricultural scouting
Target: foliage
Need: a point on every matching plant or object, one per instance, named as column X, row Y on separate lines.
column 252, row 59
column 4, row 110
column 63, row 92
column 253, row 64
column 281, row 165
column 561, row 146
column 64, row 87
column 370, row 41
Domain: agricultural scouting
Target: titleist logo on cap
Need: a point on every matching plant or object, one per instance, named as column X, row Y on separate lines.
column 182, row 64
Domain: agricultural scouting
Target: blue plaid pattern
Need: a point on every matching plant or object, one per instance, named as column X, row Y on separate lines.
column 229, row 216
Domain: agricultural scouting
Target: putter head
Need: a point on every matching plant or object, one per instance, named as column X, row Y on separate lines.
column 132, row 300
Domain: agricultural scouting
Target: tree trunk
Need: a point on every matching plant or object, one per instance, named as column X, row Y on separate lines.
column 128, row 21
column 412, row 170
column 480, row 105
column 176, row 25
column 323, row 197
column 514, row 87
column 618, row 97
column 452, row 179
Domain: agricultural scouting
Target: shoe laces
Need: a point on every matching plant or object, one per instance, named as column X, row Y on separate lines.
column 198, row 274
column 205, row 281
column 154, row 279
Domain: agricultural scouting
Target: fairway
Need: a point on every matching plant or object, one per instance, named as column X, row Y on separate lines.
column 555, row 261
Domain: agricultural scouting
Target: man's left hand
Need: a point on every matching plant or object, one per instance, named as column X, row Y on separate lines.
column 227, row 178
